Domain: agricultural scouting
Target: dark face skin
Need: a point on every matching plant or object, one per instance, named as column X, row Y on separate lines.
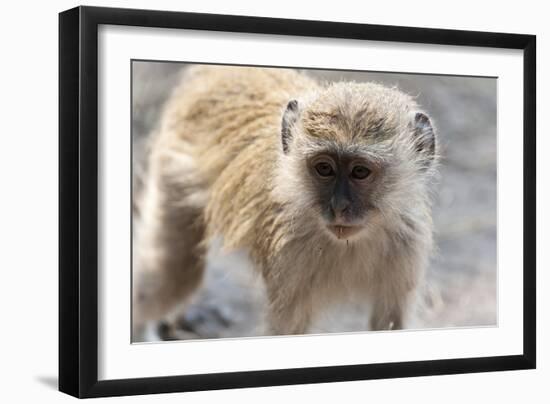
column 344, row 184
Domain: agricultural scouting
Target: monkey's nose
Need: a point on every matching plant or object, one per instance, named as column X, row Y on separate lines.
column 339, row 206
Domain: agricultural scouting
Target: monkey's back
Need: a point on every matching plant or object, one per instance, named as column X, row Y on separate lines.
column 227, row 119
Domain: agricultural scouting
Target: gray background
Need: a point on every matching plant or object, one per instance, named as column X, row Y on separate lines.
column 461, row 280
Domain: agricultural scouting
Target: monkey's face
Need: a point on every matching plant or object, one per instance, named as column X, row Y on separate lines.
column 355, row 157
column 342, row 187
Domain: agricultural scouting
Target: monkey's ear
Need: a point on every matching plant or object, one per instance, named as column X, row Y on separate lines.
column 424, row 135
column 290, row 116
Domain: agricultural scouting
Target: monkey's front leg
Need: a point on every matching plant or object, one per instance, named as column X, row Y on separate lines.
column 389, row 313
column 394, row 287
column 393, row 302
column 290, row 308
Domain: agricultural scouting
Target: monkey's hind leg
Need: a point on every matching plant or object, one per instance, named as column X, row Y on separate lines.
column 169, row 256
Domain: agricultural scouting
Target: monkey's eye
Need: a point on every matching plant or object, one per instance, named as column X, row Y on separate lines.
column 324, row 169
column 360, row 172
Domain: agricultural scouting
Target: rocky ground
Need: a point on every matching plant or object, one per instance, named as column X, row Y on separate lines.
column 461, row 289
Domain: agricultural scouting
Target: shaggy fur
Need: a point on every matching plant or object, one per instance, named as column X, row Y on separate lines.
column 230, row 159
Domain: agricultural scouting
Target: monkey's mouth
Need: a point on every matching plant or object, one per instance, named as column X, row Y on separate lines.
column 344, row 232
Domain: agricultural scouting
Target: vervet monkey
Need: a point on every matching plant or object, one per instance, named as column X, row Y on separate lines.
column 326, row 186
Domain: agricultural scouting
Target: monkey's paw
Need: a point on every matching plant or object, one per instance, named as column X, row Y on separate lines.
column 198, row 322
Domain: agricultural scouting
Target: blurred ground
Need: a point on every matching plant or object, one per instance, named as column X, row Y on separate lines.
column 461, row 285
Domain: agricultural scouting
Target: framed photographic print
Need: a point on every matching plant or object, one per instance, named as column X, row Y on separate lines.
column 251, row 201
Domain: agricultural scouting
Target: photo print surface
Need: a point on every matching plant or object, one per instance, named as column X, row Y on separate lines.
column 282, row 201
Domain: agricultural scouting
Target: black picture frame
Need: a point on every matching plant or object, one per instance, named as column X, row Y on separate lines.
column 78, row 201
